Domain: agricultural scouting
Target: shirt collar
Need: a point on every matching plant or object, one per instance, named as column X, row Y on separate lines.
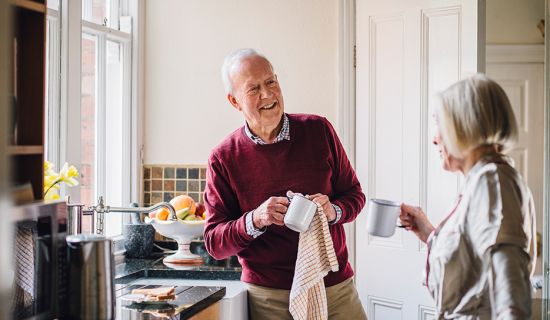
column 284, row 134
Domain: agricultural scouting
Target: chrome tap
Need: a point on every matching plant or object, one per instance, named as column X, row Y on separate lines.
column 98, row 211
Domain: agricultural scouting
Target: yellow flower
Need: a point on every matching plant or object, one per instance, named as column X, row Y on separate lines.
column 53, row 179
column 51, row 195
column 67, row 175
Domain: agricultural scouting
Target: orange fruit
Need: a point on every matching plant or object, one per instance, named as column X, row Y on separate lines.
column 184, row 201
column 162, row 214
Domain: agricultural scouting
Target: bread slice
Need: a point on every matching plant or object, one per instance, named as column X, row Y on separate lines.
column 162, row 298
column 155, row 292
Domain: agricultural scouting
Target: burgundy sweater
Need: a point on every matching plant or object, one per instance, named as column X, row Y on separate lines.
column 241, row 175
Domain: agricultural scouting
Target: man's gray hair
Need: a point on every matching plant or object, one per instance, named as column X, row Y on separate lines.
column 232, row 63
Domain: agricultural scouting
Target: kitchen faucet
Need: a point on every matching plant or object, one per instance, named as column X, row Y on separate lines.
column 77, row 211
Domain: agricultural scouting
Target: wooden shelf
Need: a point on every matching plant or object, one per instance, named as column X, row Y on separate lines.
column 27, row 88
column 20, row 150
column 29, row 5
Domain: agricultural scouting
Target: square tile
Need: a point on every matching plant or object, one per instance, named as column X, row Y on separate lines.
column 181, row 173
column 168, row 196
column 147, row 185
column 203, row 173
column 147, row 197
column 156, row 173
column 203, row 185
column 168, row 185
column 193, row 173
column 169, row 173
column 146, row 173
column 156, row 185
column 194, row 195
column 156, row 197
column 181, row 185
column 194, row 185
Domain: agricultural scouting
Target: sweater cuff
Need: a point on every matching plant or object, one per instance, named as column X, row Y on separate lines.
column 250, row 229
column 338, row 214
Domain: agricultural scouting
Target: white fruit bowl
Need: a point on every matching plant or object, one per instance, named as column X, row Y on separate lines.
column 183, row 231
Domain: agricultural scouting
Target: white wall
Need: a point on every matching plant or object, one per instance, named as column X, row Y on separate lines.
column 514, row 21
column 186, row 111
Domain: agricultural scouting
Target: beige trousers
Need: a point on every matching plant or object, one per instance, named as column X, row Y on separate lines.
column 267, row 303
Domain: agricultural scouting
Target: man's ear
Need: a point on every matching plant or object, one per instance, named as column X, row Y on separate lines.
column 233, row 101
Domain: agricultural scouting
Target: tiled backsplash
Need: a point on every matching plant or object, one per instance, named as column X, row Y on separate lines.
column 163, row 182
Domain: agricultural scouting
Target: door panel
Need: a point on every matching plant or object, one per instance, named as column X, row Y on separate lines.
column 524, row 85
column 406, row 52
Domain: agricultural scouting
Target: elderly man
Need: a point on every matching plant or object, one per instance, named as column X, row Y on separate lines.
column 248, row 176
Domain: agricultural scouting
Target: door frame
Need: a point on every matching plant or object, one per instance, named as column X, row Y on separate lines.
column 346, row 98
column 546, row 188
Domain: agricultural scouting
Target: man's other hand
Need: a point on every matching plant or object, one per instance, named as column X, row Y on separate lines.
column 325, row 203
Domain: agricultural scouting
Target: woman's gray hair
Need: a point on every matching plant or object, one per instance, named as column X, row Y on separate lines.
column 475, row 112
column 232, row 63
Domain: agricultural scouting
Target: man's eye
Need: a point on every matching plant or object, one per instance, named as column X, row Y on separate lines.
column 253, row 90
column 271, row 82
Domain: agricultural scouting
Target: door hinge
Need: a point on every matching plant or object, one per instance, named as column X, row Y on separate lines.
column 355, row 56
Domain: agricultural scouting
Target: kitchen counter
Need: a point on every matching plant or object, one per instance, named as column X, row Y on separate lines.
column 206, row 288
column 132, row 269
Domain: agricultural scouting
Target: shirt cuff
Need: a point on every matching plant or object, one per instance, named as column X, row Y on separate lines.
column 250, row 229
column 338, row 214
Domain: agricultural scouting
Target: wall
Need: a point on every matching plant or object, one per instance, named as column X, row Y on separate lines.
column 514, row 21
column 186, row 111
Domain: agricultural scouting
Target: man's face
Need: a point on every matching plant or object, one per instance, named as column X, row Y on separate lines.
column 257, row 94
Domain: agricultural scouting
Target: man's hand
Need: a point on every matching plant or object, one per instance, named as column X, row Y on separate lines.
column 325, row 203
column 272, row 211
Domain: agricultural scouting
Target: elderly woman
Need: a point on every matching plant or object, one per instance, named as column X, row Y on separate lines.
column 481, row 255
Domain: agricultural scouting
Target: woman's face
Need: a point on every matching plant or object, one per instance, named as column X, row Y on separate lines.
column 450, row 163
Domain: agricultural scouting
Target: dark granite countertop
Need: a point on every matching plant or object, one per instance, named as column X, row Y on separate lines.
column 189, row 301
column 132, row 269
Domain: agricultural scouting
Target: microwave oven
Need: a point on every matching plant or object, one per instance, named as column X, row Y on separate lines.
column 39, row 261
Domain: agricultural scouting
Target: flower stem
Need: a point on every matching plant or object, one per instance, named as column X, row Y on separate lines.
column 53, row 184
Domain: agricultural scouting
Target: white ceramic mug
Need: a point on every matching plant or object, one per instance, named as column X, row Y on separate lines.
column 382, row 217
column 300, row 213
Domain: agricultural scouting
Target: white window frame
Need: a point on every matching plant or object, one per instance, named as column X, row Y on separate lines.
column 53, row 118
column 104, row 34
column 68, row 149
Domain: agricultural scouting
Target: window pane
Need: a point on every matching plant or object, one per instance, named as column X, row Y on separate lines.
column 115, row 135
column 53, row 4
column 87, row 118
column 102, row 12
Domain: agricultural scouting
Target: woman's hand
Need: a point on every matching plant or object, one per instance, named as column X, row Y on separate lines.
column 270, row 212
column 325, row 203
column 415, row 220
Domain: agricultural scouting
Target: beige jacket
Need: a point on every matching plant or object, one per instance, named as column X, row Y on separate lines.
column 481, row 258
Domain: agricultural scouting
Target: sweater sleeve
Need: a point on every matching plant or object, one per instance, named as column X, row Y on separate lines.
column 225, row 229
column 347, row 191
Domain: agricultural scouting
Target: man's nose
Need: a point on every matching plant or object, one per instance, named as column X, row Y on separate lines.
column 265, row 92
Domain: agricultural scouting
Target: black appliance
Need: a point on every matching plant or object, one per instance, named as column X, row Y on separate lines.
column 40, row 283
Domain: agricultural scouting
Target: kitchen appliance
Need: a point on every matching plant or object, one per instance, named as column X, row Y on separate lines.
column 39, row 260
column 91, row 277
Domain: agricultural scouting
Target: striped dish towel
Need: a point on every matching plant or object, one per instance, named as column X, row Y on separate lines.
column 315, row 259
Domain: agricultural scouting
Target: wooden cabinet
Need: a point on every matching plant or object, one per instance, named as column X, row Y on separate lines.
column 27, row 90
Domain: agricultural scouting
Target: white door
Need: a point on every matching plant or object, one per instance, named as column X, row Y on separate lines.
column 520, row 72
column 406, row 52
